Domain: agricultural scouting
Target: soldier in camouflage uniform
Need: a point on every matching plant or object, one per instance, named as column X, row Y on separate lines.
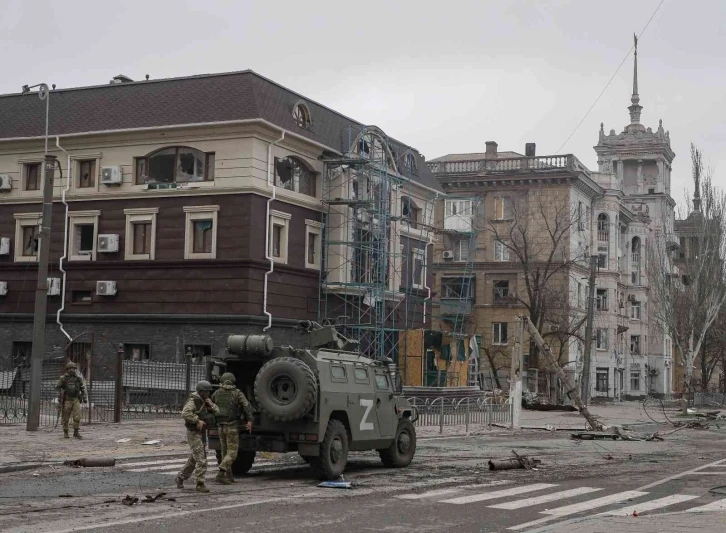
column 197, row 413
column 232, row 404
column 73, row 393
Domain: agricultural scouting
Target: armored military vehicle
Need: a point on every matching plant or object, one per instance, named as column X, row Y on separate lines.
column 321, row 402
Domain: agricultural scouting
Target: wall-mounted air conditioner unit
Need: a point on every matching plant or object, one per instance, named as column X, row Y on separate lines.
column 54, row 286
column 108, row 243
column 3, row 288
column 111, row 175
column 106, row 288
column 448, row 254
column 6, row 183
column 4, row 246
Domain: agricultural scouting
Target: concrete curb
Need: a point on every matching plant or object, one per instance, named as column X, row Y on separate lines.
column 6, row 469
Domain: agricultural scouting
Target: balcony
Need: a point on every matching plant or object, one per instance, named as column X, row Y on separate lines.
column 672, row 241
column 603, row 236
column 456, row 306
column 635, row 258
column 518, row 165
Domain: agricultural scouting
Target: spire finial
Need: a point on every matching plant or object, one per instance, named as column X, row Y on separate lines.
column 635, row 106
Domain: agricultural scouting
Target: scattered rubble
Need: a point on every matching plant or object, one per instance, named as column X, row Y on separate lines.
column 518, row 461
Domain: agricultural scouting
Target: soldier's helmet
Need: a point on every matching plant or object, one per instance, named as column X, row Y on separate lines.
column 204, row 385
column 227, row 376
column 70, row 365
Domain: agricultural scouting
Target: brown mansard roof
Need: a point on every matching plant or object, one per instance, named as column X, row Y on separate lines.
column 188, row 100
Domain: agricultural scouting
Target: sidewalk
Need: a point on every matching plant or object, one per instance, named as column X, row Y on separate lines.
column 711, row 522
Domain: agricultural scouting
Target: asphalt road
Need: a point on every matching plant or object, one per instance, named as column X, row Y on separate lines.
column 448, row 488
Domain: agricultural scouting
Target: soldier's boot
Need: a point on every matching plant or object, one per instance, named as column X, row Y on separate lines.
column 201, row 487
column 222, row 478
column 179, row 482
column 76, row 435
column 231, row 475
column 65, row 434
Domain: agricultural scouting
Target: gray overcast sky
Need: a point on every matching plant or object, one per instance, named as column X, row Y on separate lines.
column 443, row 77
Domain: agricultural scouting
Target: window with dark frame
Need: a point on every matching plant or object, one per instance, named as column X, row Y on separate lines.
column 313, row 248
column 382, row 382
column 198, row 351
column 301, row 115
column 176, row 164
column 32, row 176
column 602, row 299
column 201, row 236
column 361, row 374
column 141, row 231
column 87, row 173
column 635, row 380
column 635, row 344
column 602, row 376
column 457, row 288
column 499, row 333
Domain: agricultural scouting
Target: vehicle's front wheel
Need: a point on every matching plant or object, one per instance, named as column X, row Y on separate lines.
column 243, row 463
column 330, row 462
column 401, row 451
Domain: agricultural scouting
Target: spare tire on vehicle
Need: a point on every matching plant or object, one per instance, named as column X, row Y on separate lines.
column 285, row 389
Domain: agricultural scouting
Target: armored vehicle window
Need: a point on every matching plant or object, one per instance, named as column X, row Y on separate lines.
column 338, row 373
column 361, row 374
column 382, row 381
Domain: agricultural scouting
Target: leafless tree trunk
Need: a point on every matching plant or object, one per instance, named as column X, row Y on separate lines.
column 686, row 299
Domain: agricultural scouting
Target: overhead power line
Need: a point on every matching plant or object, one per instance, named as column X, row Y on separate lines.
column 610, row 80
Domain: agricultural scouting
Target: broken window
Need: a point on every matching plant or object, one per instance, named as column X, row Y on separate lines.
column 30, row 241
column 409, row 211
column 292, row 174
column 32, row 176
column 457, row 287
column 87, row 174
column 502, row 208
column 22, row 352
column 635, row 344
column 202, row 236
column 83, row 240
column 501, row 290
column 175, row 165
column 198, row 352
column 301, row 115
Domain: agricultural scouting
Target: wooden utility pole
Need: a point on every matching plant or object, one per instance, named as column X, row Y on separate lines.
column 41, row 296
column 515, row 376
column 587, row 355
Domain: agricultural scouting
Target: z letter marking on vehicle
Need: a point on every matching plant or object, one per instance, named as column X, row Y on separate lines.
column 368, row 404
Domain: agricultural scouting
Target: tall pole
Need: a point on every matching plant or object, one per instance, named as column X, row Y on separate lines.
column 587, row 356
column 41, row 297
column 515, row 380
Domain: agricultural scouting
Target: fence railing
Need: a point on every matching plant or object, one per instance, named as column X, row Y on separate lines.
column 709, row 399
column 461, row 412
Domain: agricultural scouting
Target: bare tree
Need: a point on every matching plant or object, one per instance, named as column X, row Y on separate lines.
column 687, row 307
column 537, row 237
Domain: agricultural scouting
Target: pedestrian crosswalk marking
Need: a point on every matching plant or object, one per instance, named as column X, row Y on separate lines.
column 160, row 462
column 167, row 466
column 429, row 494
column 498, row 494
column 650, row 505
column 593, row 504
column 529, row 502
column 718, row 505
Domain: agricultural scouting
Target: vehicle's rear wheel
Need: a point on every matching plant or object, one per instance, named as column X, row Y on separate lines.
column 401, row 451
column 285, row 389
column 243, row 463
column 330, row 462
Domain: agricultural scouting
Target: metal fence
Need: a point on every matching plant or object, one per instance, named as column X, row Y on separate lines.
column 462, row 412
column 709, row 399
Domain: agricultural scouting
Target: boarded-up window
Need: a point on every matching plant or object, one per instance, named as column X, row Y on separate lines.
column 87, row 174
column 142, row 237
column 32, row 176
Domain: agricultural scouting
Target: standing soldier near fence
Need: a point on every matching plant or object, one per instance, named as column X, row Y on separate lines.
column 198, row 413
column 232, row 405
column 73, row 393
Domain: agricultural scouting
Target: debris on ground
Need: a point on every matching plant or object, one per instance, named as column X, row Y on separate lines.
column 592, row 435
column 128, row 500
column 65, row 495
column 123, row 441
column 89, row 462
column 150, row 442
column 152, row 499
column 518, row 461
column 336, row 484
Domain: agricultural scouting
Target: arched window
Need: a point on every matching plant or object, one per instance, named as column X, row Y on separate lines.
column 175, row 164
column 636, row 250
column 294, row 175
column 603, row 228
column 301, row 114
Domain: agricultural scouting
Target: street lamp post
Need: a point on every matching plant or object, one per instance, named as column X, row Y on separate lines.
column 41, row 291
